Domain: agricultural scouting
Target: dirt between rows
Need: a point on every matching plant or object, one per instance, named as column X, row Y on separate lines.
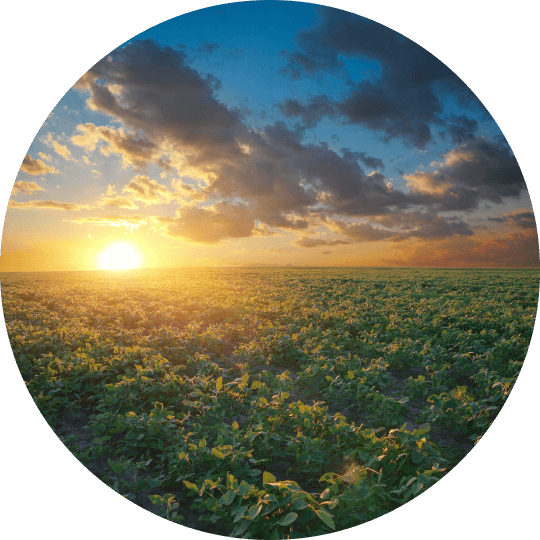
column 77, row 424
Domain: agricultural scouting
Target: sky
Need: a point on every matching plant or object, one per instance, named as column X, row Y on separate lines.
column 270, row 134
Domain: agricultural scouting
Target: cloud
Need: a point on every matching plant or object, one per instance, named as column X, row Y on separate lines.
column 151, row 88
column 147, row 191
column 477, row 170
column 342, row 186
column 46, row 157
column 27, row 188
column 524, row 219
column 129, row 222
column 399, row 98
column 307, row 242
column 360, row 232
column 512, row 250
column 46, row 204
column 134, row 151
column 143, row 189
column 312, row 112
column 272, row 177
column 36, row 167
column 397, row 226
column 286, row 249
column 424, row 225
column 118, row 202
column 461, row 128
column 211, row 225
column 368, row 161
column 61, row 150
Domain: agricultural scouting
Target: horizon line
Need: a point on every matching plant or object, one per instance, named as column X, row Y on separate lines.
column 284, row 267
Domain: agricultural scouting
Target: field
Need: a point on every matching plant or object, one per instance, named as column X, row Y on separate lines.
column 270, row 403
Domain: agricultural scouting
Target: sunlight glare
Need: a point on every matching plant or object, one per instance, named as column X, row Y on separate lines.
column 119, row 256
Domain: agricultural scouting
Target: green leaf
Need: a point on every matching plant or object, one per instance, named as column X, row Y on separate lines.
column 239, row 513
column 155, row 499
column 363, row 456
column 254, row 510
column 325, row 495
column 228, row 498
column 217, row 453
column 268, row 478
column 417, row 487
column 242, row 527
column 244, row 488
column 326, row 518
column 424, row 428
column 327, row 477
column 256, row 384
column 417, row 457
column 211, row 504
column 219, row 384
column 299, row 504
column 288, row 519
column 191, row 485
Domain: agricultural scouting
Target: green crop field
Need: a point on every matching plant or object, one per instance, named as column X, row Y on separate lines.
column 270, row 403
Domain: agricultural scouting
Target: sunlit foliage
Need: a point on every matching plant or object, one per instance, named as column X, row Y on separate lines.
column 272, row 403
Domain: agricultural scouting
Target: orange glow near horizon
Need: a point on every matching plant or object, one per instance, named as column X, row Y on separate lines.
column 119, row 256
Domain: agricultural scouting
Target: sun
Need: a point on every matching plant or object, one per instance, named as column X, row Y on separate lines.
column 119, row 256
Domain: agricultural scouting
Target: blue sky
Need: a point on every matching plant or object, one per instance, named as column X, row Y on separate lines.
column 270, row 133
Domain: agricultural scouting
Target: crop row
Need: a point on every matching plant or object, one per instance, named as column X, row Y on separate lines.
column 272, row 403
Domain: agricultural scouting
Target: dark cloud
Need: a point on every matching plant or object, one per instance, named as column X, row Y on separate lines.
column 461, row 128
column 360, row 232
column 399, row 226
column 394, row 113
column 524, row 219
column 312, row 112
column 477, row 170
column 166, row 99
column 424, row 225
column 371, row 162
column 276, row 179
column 402, row 101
